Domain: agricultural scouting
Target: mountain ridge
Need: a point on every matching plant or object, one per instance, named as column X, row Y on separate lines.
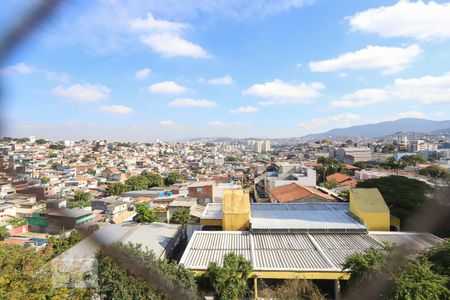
column 384, row 128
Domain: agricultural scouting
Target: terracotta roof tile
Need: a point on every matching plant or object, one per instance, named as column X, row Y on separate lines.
column 292, row 192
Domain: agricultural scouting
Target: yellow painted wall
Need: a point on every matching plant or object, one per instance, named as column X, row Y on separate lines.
column 235, row 210
column 369, row 206
column 292, row 275
column 211, row 222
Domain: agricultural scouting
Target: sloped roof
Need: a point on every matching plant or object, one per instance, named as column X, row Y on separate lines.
column 369, row 200
column 343, row 179
column 293, row 191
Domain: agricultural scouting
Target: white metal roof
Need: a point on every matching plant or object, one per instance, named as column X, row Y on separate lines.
column 155, row 237
column 295, row 217
column 213, row 211
column 303, row 217
column 290, row 251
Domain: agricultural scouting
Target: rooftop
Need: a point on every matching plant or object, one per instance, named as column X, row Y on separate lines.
column 370, row 200
column 292, row 251
column 293, row 191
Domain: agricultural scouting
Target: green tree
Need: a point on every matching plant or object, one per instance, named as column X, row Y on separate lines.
column 41, row 141
column 395, row 276
column 440, row 258
column 332, row 183
column 57, row 146
column 55, row 165
column 116, row 189
column 4, row 233
column 418, row 281
column 20, row 277
column 403, row 196
column 172, row 178
column 136, row 183
column 129, row 272
column 154, row 180
column 293, row 290
column 45, row 180
column 327, row 167
column 91, row 172
column 81, row 199
column 145, row 214
column 181, row 216
column 18, row 221
column 230, row 280
column 24, row 275
column 232, row 158
column 435, row 171
column 62, row 243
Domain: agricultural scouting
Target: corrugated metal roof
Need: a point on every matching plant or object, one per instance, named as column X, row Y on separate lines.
column 413, row 242
column 213, row 211
column 292, row 251
column 345, row 241
column 280, row 259
column 304, row 220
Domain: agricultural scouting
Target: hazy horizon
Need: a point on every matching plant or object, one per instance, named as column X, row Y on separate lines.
column 272, row 69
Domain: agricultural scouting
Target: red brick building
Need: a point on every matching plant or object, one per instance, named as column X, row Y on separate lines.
column 203, row 191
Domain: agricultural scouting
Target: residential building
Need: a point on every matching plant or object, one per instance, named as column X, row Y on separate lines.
column 294, row 192
column 204, row 191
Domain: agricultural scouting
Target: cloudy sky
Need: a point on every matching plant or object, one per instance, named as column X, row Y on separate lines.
column 194, row 68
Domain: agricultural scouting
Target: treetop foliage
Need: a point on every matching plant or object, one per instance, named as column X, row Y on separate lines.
column 129, row 272
column 403, row 196
column 230, row 280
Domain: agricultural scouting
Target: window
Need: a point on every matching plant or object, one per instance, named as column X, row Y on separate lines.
column 199, row 190
column 207, row 200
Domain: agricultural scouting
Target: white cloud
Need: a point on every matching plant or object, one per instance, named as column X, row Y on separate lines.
column 83, row 92
column 281, row 92
column 389, row 59
column 426, row 89
column 341, row 120
column 166, row 123
column 56, row 76
column 361, row 98
column 20, row 68
column 222, row 124
column 142, row 74
column 189, row 102
column 165, row 37
column 411, row 114
column 151, row 24
column 244, row 109
column 419, row 20
column 116, row 109
column 224, row 80
column 167, row 87
column 170, row 44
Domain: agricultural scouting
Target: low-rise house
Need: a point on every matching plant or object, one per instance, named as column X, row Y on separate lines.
column 204, row 191
column 7, row 211
column 112, row 206
column 294, row 192
column 343, row 180
column 58, row 220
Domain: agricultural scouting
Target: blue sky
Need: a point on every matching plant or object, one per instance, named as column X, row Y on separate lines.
column 195, row 68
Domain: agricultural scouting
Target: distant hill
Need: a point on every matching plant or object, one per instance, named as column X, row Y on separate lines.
column 384, row 128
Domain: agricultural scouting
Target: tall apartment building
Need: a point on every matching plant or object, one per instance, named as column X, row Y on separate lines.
column 421, row 145
column 259, row 146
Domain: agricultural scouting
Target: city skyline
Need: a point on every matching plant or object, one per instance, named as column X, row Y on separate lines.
column 268, row 69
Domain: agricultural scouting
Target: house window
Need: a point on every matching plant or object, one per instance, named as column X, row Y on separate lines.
column 207, row 200
column 199, row 190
